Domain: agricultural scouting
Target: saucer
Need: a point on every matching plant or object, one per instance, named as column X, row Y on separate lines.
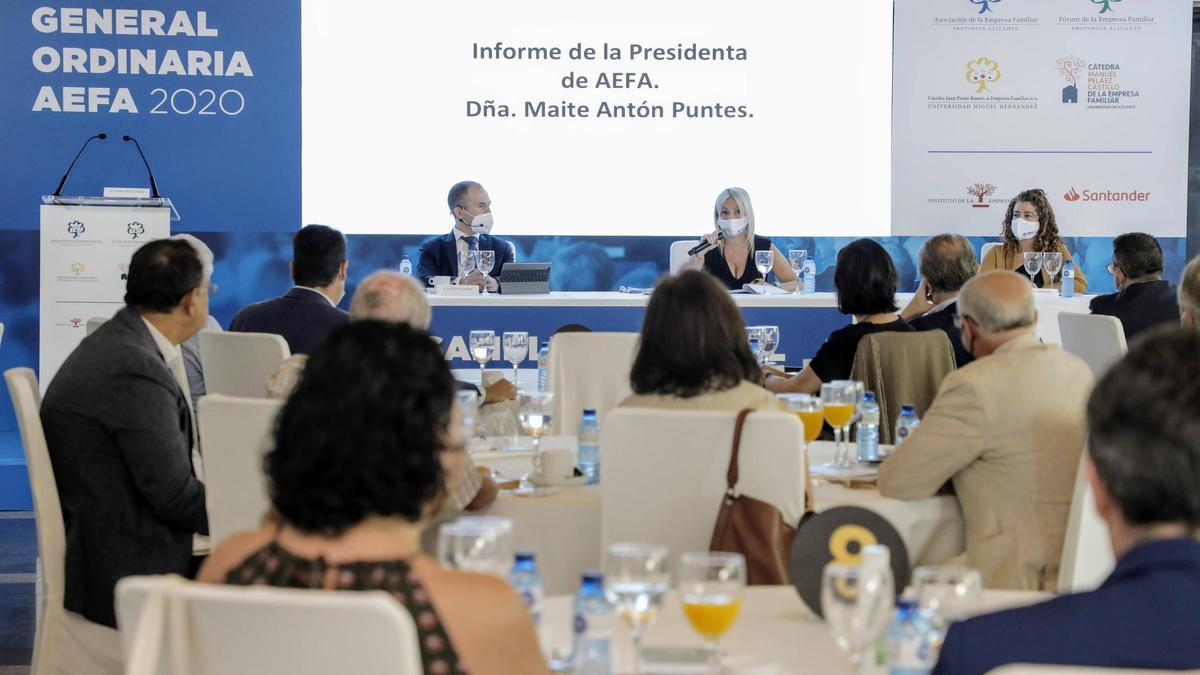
column 573, row 481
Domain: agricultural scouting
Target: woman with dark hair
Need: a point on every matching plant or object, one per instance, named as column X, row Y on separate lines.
column 865, row 280
column 361, row 450
column 1029, row 225
column 694, row 353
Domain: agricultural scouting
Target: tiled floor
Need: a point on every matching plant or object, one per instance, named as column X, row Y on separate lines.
column 18, row 556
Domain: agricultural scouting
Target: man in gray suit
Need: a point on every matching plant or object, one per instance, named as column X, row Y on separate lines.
column 119, row 426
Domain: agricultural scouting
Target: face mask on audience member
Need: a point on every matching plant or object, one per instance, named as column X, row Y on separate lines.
column 1025, row 230
column 479, row 224
column 733, row 227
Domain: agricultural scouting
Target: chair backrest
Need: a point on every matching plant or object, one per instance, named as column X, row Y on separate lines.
column 1087, row 555
column 1099, row 340
column 588, row 370
column 51, row 532
column 1030, row 669
column 679, row 256
column 1, row 333
column 238, row 364
column 171, row 626
column 94, row 323
column 664, row 472
column 902, row 368
column 987, row 246
column 234, row 434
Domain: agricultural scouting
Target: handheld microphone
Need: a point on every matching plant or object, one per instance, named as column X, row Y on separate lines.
column 704, row 245
column 153, row 185
column 63, row 182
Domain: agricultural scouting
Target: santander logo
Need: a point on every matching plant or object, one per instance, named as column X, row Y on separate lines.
column 1088, row 195
column 1072, row 196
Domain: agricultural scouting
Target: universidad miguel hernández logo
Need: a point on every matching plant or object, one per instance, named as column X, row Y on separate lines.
column 984, row 4
column 76, row 228
column 982, row 71
column 981, row 191
column 77, row 268
column 1105, row 5
column 135, row 228
column 1069, row 68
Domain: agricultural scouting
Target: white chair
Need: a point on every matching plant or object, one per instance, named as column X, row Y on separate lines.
column 234, row 435
column 664, row 472
column 174, row 627
column 1029, row 669
column 588, row 370
column 1098, row 340
column 64, row 642
column 679, row 255
column 983, row 250
column 94, row 323
column 1087, row 557
column 238, row 364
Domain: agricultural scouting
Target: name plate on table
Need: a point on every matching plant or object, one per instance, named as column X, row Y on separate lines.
column 456, row 289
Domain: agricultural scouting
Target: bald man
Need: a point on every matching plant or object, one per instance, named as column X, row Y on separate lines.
column 1007, row 431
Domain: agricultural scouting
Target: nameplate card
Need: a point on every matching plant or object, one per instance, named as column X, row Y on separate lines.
column 456, row 289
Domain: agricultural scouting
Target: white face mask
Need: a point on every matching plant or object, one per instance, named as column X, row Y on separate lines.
column 733, row 227
column 1025, row 230
column 480, row 224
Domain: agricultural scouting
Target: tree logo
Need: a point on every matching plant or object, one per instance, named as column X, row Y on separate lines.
column 1105, row 5
column 981, row 191
column 1069, row 68
column 75, row 228
column 77, row 268
column 75, row 323
column 984, row 3
column 1072, row 196
column 982, row 71
column 135, row 228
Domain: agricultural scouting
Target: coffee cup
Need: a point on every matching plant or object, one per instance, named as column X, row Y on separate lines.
column 554, row 466
column 440, row 281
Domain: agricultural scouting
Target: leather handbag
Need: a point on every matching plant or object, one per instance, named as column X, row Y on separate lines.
column 752, row 527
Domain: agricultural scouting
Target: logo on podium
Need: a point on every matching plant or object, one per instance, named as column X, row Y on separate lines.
column 135, row 228
column 77, row 268
column 76, row 228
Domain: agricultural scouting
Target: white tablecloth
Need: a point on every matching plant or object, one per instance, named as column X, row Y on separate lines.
column 774, row 625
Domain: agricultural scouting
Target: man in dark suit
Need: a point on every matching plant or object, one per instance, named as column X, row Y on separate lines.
column 1143, row 450
column 947, row 261
column 472, row 210
column 121, row 436
column 308, row 312
column 1143, row 298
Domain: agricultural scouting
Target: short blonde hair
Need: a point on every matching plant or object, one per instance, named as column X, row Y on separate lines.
column 390, row 296
column 1189, row 289
column 742, row 199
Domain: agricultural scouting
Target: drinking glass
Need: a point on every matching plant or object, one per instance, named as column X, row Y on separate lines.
column 535, row 411
column 516, row 348
column 468, row 405
column 1052, row 262
column 711, row 587
column 950, row 593
column 796, row 259
column 502, row 531
column 1033, row 264
column 769, row 336
column 755, row 335
column 482, row 344
column 857, row 604
column 808, row 408
column 484, row 262
column 764, row 260
column 473, row 546
column 466, row 263
column 838, row 401
column 635, row 579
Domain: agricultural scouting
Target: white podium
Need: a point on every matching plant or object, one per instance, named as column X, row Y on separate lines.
column 85, row 250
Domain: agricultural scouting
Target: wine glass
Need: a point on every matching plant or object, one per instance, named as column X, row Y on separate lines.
column 763, row 260
column 1033, row 264
column 466, row 263
column 635, row 580
column 484, row 262
column 473, row 546
column 796, row 259
column 769, row 336
column 857, row 604
column 535, row 411
column 516, row 348
column 468, row 405
column 808, row 408
column 1052, row 262
column 482, row 344
column 755, row 336
column 502, row 531
column 838, row 401
column 950, row 593
column 711, row 587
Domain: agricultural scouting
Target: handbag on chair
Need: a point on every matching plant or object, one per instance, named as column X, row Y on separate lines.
column 752, row 527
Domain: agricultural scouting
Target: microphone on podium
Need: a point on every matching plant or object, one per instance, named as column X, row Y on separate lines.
column 153, row 185
column 704, row 245
column 63, row 182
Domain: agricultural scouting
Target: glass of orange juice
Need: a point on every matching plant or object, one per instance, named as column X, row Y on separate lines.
column 711, row 586
column 808, row 408
column 838, row 401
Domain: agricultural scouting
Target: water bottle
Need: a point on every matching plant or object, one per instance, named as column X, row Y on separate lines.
column 906, row 423
column 405, row 266
column 867, row 430
column 528, row 582
column 543, row 365
column 909, row 640
column 593, row 627
column 810, row 276
column 1068, row 280
column 589, row 446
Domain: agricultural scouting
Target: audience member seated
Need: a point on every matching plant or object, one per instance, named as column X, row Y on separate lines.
column 1143, row 298
column 361, row 452
column 865, row 281
column 1029, row 225
column 1007, row 431
column 731, row 260
column 440, row 257
column 191, row 348
column 1142, row 459
column 947, row 262
column 308, row 312
column 391, row 296
column 121, row 435
column 1189, row 295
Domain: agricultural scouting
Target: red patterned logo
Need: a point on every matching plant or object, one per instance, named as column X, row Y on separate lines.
column 1072, row 196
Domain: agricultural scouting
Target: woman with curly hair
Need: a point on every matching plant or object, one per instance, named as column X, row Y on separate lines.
column 1029, row 225
column 360, row 454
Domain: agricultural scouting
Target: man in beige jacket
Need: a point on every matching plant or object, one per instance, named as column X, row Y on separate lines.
column 1007, row 431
